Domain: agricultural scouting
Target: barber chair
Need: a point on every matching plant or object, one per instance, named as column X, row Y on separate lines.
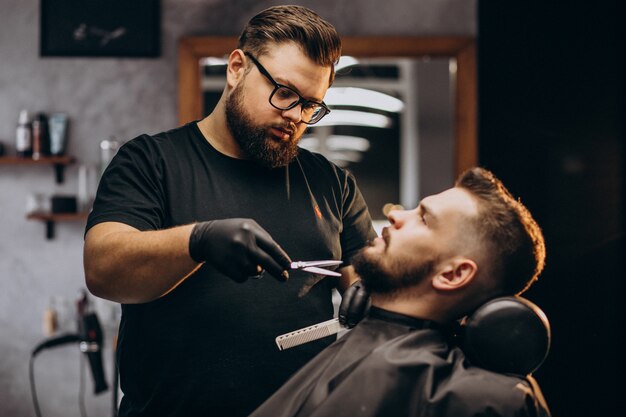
column 509, row 335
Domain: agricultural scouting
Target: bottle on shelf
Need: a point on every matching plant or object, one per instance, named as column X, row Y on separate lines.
column 108, row 149
column 40, row 136
column 50, row 319
column 23, row 136
column 86, row 180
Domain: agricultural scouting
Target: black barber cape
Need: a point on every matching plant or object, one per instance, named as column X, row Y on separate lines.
column 394, row 365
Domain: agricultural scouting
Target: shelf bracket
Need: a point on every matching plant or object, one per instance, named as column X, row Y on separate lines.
column 58, row 172
column 49, row 229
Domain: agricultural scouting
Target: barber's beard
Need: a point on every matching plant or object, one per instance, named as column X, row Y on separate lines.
column 383, row 275
column 255, row 140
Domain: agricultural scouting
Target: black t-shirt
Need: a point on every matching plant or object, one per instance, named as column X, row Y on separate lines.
column 207, row 348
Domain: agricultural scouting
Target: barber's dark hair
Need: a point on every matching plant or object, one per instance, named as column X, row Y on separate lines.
column 514, row 240
column 317, row 38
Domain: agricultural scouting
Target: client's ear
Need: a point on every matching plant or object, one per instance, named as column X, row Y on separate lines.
column 455, row 274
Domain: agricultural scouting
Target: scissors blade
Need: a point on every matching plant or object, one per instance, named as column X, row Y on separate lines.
column 305, row 264
column 321, row 271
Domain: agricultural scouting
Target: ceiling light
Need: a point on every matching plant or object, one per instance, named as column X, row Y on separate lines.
column 361, row 97
column 345, row 61
column 336, row 143
column 355, row 118
column 211, row 61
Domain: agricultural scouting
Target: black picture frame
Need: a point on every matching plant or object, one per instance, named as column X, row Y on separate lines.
column 100, row 28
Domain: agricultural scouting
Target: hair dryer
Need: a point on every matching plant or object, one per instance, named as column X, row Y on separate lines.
column 90, row 339
column 91, row 343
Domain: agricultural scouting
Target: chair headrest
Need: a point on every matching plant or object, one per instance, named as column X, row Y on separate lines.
column 509, row 335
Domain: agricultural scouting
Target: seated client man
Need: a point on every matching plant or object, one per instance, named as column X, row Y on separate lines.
column 431, row 267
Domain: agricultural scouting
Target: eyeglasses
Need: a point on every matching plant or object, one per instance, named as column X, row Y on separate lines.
column 285, row 98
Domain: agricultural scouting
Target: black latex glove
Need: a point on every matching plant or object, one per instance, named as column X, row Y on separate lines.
column 237, row 248
column 354, row 304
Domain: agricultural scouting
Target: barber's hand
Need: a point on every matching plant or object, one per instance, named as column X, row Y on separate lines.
column 354, row 304
column 238, row 248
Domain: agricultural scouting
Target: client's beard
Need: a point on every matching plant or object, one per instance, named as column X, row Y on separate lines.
column 252, row 139
column 383, row 277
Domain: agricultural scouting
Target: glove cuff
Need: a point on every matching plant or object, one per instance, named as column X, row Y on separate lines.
column 197, row 241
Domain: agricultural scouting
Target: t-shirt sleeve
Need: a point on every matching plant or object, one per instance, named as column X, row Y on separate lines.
column 357, row 222
column 130, row 191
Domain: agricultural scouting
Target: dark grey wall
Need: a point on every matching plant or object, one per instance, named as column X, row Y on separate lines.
column 552, row 106
column 115, row 97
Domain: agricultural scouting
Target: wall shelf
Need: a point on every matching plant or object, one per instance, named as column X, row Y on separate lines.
column 51, row 218
column 59, row 163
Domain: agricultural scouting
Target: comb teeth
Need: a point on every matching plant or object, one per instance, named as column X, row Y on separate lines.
column 308, row 334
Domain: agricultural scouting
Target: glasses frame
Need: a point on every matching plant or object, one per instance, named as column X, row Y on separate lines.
column 301, row 100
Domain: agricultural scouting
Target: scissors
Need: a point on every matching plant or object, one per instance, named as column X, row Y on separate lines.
column 313, row 267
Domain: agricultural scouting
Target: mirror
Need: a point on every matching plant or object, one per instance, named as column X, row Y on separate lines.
column 433, row 79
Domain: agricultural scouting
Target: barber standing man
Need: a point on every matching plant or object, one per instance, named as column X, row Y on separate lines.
column 182, row 218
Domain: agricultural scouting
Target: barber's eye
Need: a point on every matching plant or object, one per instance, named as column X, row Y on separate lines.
column 284, row 93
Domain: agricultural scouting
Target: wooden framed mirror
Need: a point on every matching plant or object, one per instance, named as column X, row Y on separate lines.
column 459, row 51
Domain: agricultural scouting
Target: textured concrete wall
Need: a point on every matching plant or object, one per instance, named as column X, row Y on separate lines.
column 115, row 97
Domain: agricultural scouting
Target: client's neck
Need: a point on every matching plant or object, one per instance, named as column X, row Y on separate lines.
column 408, row 306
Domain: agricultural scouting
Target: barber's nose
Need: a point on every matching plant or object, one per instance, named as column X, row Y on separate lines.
column 294, row 114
